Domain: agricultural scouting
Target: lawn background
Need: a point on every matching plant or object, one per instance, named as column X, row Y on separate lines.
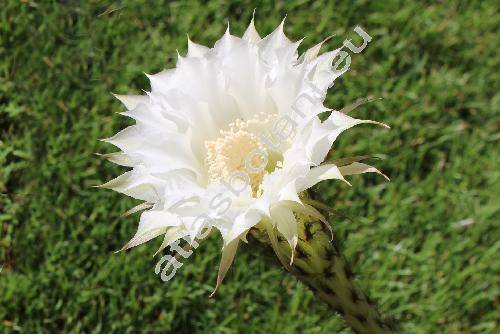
column 425, row 245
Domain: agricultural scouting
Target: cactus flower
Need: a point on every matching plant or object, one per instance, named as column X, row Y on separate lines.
column 231, row 139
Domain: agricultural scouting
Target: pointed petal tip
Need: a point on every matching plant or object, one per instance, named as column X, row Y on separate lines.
column 179, row 57
column 251, row 35
column 189, row 41
column 378, row 123
column 281, row 27
column 228, row 253
column 137, row 208
column 122, row 98
column 284, row 19
column 127, row 246
column 124, row 247
column 125, row 214
column 219, row 280
column 328, row 38
column 156, row 253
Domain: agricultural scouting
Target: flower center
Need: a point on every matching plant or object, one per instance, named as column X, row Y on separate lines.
column 234, row 151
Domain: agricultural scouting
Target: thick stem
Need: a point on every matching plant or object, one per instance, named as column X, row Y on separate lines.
column 319, row 264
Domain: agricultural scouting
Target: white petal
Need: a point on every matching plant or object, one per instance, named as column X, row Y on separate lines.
column 328, row 131
column 304, row 209
column 242, row 224
column 137, row 208
column 132, row 101
column 196, row 50
column 142, row 238
column 135, row 184
column 360, row 168
column 151, row 225
column 158, row 151
column 147, row 116
column 313, row 52
column 274, row 244
column 289, row 193
column 127, row 138
column 228, row 253
column 274, row 42
column 251, row 35
column 351, row 107
column 318, row 174
column 323, row 75
column 225, row 45
column 250, row 94
column 172, row 234
column 118, row 158
column 348, row 160
column 163, row 80
column 340, row 120
column 286, row 224
column 201, row 81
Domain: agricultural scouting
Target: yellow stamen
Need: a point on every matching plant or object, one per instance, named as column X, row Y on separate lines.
column 228, row 153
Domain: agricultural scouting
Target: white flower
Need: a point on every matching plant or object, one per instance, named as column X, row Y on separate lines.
column 229, row 138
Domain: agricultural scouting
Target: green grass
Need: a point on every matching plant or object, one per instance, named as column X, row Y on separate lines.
column 437, row 67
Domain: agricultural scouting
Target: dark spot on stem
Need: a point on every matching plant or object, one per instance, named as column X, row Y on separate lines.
column 300, row 253
column 380, row 323
column 330, row 254
column 329, row 272
column 354, row 296
column 348, row 272
column 361, row 318
column 307, row 232
column 326, row 289
column 300, row 270
column 370, row 301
